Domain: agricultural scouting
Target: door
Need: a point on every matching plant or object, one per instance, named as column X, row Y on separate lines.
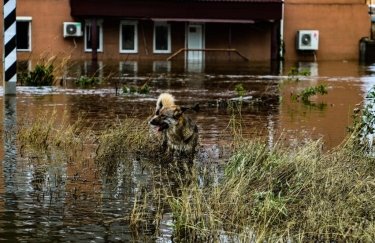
column 195, row 41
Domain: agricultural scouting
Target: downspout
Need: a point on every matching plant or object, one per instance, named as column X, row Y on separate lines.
column 94, row 40
column 229, row 39
column 282, row 44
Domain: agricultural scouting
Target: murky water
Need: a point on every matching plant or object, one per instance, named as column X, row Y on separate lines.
column 70, row 202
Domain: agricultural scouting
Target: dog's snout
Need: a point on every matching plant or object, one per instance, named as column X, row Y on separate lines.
column 154, row 121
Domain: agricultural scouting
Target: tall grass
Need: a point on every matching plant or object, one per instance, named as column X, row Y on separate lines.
column 52, row 133
column 47, row 71
column 264, row 193
column 282, row 193
column 130, row 136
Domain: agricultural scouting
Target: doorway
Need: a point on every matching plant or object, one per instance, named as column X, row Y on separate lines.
column 195, row 41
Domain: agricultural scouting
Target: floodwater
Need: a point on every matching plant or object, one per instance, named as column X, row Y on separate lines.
column 71, row 203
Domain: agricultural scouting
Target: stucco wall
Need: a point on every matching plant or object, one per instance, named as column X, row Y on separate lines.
column 47, row 26
column 341, row 24
column 252, row 40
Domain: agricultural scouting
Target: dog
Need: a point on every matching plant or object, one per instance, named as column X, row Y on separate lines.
column 179, row 132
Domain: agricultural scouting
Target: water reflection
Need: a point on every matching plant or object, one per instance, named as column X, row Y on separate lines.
column 73, row 201
column 8, row 182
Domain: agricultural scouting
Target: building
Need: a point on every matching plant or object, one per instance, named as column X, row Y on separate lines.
column 341, row 25
column 255, row 30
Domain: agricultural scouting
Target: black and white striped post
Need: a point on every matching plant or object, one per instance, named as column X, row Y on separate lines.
column 10, row 47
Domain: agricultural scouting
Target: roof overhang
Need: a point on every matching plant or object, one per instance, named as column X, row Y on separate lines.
column 241, row 21
column 235, row 11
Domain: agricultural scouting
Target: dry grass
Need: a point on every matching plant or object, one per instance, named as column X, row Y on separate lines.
column 126, row 137
column 44, row 130
column 264, row 193
column 281, row 194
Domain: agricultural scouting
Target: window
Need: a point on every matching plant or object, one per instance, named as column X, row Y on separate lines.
column 162, row 38
column 23, row 33
column 99, row 36
column 128, row 37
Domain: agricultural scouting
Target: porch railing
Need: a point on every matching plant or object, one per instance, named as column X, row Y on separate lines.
column 207, row 50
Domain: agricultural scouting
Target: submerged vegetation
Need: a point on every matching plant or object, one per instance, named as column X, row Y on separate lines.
column 42, row 75
column 134, row 89
column 294, row 73
column 45, row 72
column 308, row 92
column 85, row 81
column 239, row 89
column 263, row 193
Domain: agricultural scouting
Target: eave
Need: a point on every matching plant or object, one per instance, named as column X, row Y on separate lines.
column 226, row 10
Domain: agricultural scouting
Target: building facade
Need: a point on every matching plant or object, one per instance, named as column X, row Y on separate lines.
column 341, row 25
column 255, row 30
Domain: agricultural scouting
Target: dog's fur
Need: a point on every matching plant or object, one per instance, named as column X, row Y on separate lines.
column 180, row 133
column 165, row 99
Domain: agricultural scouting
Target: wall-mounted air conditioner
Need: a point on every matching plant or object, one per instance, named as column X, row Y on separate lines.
column 72, row 29
column 307, row 40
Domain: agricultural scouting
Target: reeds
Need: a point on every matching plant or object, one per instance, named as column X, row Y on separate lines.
column 130, row 136
column 282, row 194
column 264, row 193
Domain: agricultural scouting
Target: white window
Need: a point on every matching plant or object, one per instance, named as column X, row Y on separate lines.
column 23, row 33
column 162, row 37
column 128, row 37
column 99, row 36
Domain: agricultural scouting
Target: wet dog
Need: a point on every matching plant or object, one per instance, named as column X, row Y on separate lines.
column 179, row 132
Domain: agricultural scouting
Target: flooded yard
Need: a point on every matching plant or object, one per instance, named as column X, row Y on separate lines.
column 48, row 198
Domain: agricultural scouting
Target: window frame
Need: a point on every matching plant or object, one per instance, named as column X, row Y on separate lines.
column 132, row 23
column 156, row 24
column 29, row 20
column 99, row 23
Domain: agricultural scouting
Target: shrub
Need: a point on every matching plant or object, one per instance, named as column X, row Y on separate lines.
column 42, row 75
column 133, row 89
column 84, row 81
column 240, row 90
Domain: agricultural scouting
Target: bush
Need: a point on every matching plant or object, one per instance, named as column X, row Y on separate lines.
column 84, row 81
column 42, row 75
column 144, row 89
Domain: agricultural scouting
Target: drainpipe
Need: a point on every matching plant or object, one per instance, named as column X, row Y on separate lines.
column 94, row 40
column 229, row 38
column 274, row 41
column 282, row 44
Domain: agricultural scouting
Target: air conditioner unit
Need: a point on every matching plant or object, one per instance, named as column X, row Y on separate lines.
column 307, row 40
column 72, row 29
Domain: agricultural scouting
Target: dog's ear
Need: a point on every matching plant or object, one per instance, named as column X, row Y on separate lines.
column 184, row 108
column 178, row 111
column 195, row 107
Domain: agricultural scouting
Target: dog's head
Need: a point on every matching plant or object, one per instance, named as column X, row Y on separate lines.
column 167, row 117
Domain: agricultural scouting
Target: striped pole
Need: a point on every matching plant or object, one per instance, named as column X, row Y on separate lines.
column 10, row 47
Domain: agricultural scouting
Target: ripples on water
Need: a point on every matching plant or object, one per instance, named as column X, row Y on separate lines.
column 61, row 202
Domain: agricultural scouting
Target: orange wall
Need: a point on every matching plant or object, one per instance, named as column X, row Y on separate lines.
column 341, row 24
column 251, row 40
column 47, row 26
